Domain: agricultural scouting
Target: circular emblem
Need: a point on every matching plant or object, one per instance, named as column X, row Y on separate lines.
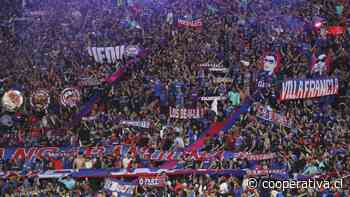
column 141, row 181
column 40, row 99
column 70, row 97
column 12, row 100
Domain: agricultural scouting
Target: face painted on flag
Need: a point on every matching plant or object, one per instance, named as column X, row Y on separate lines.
column 320, row 65
column 270, row 63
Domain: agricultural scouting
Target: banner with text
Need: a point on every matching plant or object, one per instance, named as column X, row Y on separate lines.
column 190, row 23
column 152, row 181
column 308, row 88
column 112, row 54
column 122, row 150
column 186, row 113
column 211, row 65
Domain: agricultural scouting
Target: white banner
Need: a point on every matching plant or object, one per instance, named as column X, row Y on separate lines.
column 142, row 124
column 223, row 70
column 186, row 113
column 211, row 65
column 212, row 98
column 112, row 54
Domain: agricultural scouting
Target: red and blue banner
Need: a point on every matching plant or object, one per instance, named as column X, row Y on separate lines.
column 123, row 150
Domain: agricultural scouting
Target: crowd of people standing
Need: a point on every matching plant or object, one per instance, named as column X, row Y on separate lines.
column 209, row 67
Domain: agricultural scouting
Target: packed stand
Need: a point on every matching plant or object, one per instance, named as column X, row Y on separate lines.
column 235, row 34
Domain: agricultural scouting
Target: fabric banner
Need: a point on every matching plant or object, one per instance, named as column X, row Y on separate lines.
column 263, row 84
column 270, row 115
column 212, row 98
column 223, row 70
column 186, row 113
column 112, row 54
column 190, row 23
column 122, row 188
column 107, row 54
column 153, row 181
column 308, row 88
column 210, row 65
column 123, row 151
column 142, row 124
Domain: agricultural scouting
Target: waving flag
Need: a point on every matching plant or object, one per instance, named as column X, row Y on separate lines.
column 272, row 63
column 320, row 64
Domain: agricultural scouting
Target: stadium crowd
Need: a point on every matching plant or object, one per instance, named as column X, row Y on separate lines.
column 45, row 47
